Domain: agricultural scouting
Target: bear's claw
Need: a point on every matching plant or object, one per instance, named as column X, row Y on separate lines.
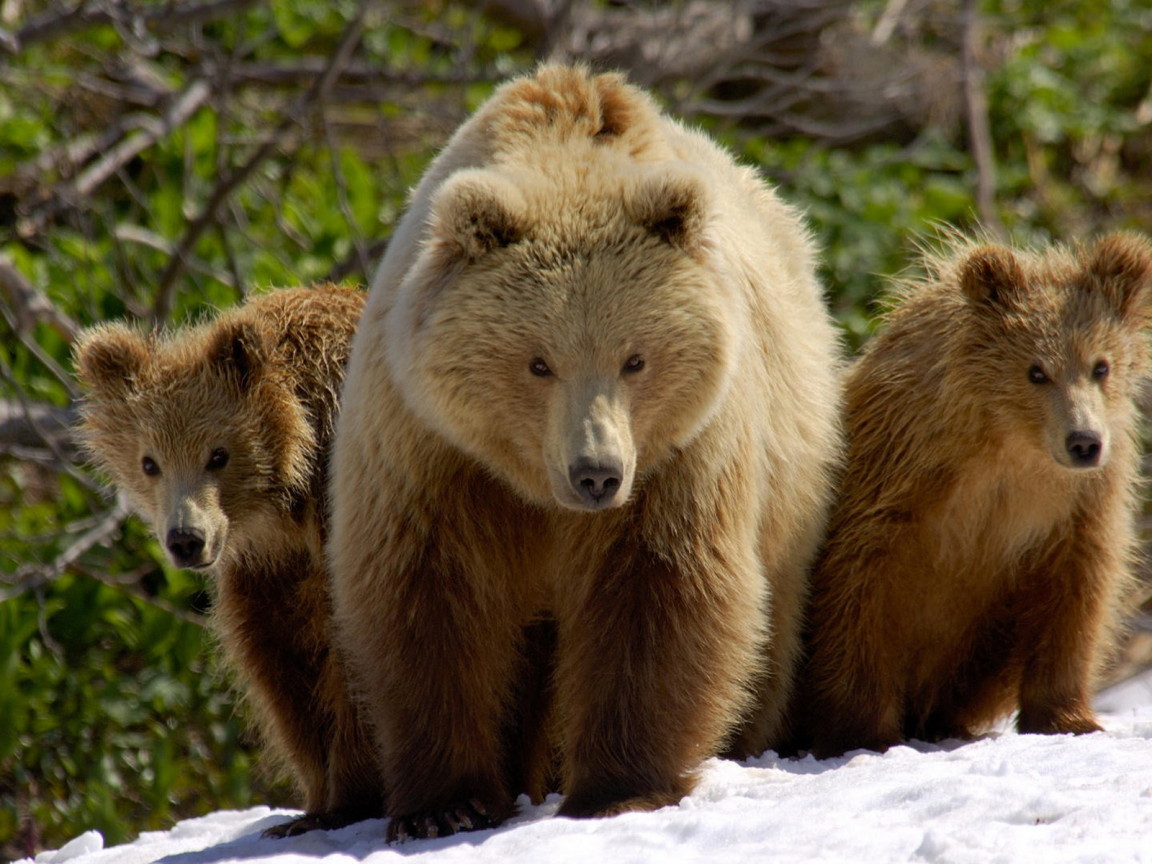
column 471, row 815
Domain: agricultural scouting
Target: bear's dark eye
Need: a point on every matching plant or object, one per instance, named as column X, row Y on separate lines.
column 539, row 368
column 634, row 363
column 218, row 459
column 1100, row 370
column 148, row 466
column 1036, row 375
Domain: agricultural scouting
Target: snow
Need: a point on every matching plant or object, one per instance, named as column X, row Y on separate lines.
column 1004, row 798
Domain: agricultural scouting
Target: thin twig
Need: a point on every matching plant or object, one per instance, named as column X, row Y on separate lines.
column 84, row 15
column 359, row 247
column 179, row 112
column 34, row 578
column 30, row 305
column 979, row 130
column 300, row 110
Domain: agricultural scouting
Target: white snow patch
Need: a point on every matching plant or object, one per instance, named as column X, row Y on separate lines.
column 1004, row 798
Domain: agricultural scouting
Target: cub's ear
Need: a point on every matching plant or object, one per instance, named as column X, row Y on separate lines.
column 991, row 275
column 237, row 350
column 109, row 360
column 474, row 212
column 671, row 204
column 1120, row 268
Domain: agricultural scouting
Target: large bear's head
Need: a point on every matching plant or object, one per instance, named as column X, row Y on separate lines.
column 572, row 331
column 197, row 427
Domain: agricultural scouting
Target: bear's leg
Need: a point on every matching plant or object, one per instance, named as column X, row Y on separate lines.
column 267, row 635
column 354, row 785
column 1063, row 604
column 978, row 682
column 769, row 724
column 653, row 671
column 431, row 640
column 853, row 693
column 442, row 717
column 530, row 754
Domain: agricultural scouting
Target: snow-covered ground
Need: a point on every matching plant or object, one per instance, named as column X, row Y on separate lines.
column 1006, row 798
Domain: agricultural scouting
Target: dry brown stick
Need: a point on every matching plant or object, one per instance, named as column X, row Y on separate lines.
column 36, row 351
column 295, row 116
column 136, row 134
column 29, row 305
column 85, row 15
column 979, row 130
column 32, row 577
column 359, row 247
column 181, row 110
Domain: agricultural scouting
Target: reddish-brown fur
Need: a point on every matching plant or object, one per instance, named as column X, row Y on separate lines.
column 260, row 383
column 972, row 566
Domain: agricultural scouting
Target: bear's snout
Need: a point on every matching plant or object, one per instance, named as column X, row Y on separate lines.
column 186, row 546
column 596, row 482
column 1084, row 449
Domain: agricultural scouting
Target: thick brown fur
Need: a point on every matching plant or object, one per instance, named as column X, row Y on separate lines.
column 980, row 553
column 582, row 292
column 259, row 384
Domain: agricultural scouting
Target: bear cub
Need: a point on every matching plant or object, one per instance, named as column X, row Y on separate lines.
column 219, row 434
column 980, row 552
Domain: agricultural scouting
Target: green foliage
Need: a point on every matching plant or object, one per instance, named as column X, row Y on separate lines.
column 113, row 712
column 867, row 208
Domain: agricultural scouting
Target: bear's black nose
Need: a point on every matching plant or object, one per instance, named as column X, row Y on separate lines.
column 186, row 545
column 596, row 482
column 1084, row 448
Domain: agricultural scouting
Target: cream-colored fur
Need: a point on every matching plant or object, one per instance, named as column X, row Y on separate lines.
column 580, row 283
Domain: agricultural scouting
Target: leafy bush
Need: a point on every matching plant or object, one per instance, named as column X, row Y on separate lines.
column 113, row 712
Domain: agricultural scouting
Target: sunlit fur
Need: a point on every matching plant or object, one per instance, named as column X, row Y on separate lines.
column 569, row 223
column 260, row 383
column 971, row 569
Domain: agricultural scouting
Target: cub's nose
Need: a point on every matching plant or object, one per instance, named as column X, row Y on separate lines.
column 1084, row 448
column 596, row 482
column 186, row 545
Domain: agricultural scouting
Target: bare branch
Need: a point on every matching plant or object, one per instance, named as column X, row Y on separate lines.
column 84, row 15
column 31, row 306
column 120, row 145
column 33, row 577
column 183, row 107
column 300, row 110
column 979, row 130
column 36, row 425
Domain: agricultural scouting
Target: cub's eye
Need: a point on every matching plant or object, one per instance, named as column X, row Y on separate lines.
column 539, row 368
column 1100, row 370
column 148, row 466
column 218, row 459
column 1036, row 375
column 634, row 363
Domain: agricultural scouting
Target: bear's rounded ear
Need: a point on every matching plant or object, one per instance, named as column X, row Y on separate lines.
column 673, row 206
column 237, row 351
column 991, row 275
column 474, row 212
column 109, row 359
column 1120, row 268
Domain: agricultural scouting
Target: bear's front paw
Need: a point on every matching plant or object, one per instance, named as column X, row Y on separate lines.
column 594, row 805
column 1057, row 722
column 471, row 815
